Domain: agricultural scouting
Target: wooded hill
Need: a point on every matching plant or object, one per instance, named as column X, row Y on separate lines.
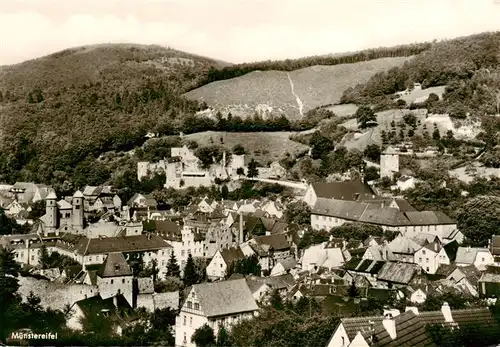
column 60, row 112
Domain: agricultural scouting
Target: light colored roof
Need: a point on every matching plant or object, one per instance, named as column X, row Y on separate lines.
column 467, row 255
column 78, row 194
column 390, row 150
column 51, row 196
column 225, row 297
column 403, row 244
column 490, row 277
column 288, row 263
column 64, row 205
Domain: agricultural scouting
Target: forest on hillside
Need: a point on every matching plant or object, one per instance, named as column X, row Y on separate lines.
column 467, row 66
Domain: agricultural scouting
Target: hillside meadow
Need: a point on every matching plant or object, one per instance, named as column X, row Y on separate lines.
column 315, row 86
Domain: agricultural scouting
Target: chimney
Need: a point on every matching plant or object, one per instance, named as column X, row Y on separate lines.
column 390, row 325
column 468, row 249
column 446, row 311
column 241, row 236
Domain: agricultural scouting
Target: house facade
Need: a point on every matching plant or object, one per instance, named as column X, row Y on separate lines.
column 217, row 304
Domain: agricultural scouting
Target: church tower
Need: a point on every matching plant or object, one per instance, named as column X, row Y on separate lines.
column 77, row 203
column 389, row 162
column 51, row 212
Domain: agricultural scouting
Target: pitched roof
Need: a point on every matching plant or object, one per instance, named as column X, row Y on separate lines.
column 467, row 255
column 231, row 254
column 51, row 196
column 64, row 205
column 225, row 297
column 428, row 218
column 114, row 265
column 288, row 263
column 278, row 242
column 350, row 190
column 78, row 194
column 404, row 245
column 360, row 324
column 410, row 330
column 401, row 273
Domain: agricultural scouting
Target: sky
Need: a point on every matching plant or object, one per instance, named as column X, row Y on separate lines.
column 237, row 30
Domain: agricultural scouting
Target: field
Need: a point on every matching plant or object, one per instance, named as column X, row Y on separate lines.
column 420, row 95
column 342, row 111
column 263, row 147
column 312, row 87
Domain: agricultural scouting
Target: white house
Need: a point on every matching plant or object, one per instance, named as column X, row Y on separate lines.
column 329, row 213
column 217, row 304
column 283, row 267
column 317, row 256
column 274, row 208
column 348, row 190
column 431, row 256
column 404, row 183
column 480, row 257
column 222, row 260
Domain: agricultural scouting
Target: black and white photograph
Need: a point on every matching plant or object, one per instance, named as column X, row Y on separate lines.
column 250, row 173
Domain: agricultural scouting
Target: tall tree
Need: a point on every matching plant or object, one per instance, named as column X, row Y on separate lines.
column 9, row 271
column 252, row 169
column 224, row 192
column 223, row 338
column 173, row 268
column 479, row 218
column 204, row 336
column 190, row 274
column 320, row 145
column 44, row 257
column 298, row 212
column 365, row 116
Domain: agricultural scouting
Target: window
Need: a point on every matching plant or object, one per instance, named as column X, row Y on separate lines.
column 427, row 269
column 190, row 321
column 189, row 304
column 423, row 252
column 90, row 258
column 221, row 265
column 112, row 281
column 420, row 259
column 482, row 259
column 426, row 260
column 182, row 253
column 77, row 207
column 123, row 280
column 196, row 306
column 184, row 320
column 33, row 257
column 185, row 338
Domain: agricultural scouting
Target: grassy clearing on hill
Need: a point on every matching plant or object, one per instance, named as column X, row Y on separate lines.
column 263, row 147
column 360, row 139
column 315, row 86
column 418, row 95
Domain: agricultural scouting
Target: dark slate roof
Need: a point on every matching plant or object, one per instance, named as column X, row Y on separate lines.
column 395, row 272
column 135, row 243
column 351, row 190
column 231, row 254
column 115, row 265
column 374, row 214
column 360, row 324
column 451, row 250
column 278, row 242
column 410, row 330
